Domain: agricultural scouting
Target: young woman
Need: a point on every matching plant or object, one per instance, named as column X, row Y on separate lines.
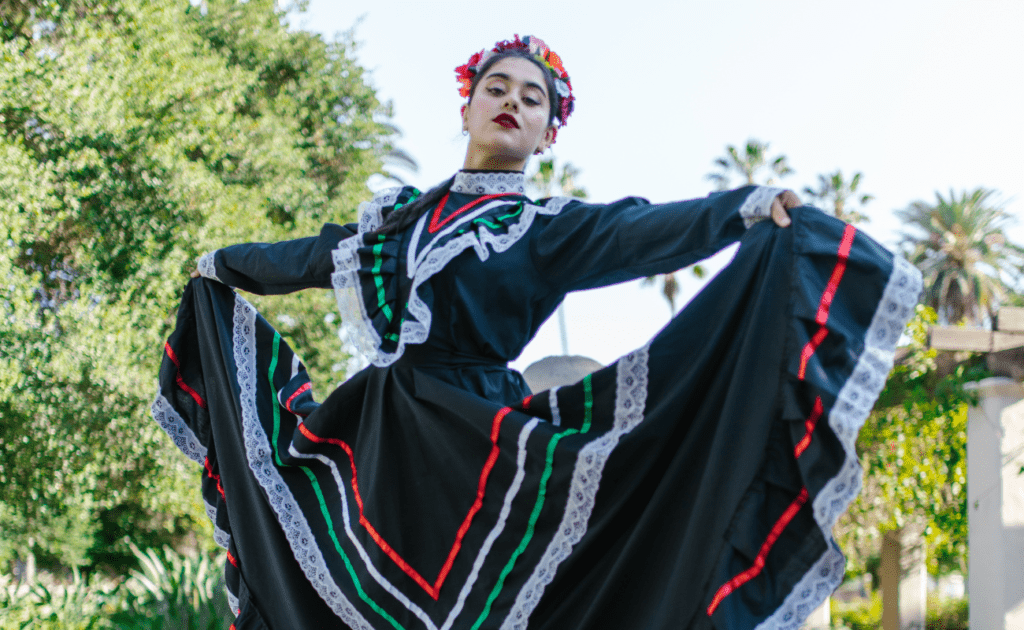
column 692, row 483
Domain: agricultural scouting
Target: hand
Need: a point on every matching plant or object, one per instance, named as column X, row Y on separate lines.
column 787, row 199
column 195, row 273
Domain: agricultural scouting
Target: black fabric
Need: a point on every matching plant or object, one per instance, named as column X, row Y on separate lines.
column 686, row 447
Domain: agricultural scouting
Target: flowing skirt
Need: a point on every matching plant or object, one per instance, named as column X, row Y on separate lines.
column 693, row 483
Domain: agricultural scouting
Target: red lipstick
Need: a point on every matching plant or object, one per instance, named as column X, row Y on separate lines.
column 506, row 121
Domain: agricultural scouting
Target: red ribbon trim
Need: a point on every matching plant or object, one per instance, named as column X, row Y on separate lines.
column 762, row 555
column 304, row 388
column 826, row 299
column 435, row 221
column 180, row 381
column 432, row 589
column 809, row 425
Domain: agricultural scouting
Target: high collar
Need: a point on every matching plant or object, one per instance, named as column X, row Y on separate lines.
column 489, row 182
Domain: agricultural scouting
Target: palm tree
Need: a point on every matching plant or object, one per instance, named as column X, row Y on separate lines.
column 960, row 247
column 834, row 193
column 750, row 164
column 543, row 181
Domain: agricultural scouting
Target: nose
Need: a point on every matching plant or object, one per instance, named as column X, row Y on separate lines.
column 511, row 102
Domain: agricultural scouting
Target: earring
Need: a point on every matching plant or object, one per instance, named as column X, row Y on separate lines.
column 465, row 132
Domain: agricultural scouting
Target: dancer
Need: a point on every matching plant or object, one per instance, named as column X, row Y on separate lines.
column 693, row 483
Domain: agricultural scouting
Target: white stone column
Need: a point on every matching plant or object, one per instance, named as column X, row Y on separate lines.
column 989, row 559
column 1013, row 515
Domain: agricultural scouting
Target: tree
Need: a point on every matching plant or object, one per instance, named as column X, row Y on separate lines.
column 134, row 136
column 959, row 245
column 834, row 193
column 913, row 448
column 749, row 165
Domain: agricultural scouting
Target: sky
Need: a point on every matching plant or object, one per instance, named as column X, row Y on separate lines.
column 921, row 97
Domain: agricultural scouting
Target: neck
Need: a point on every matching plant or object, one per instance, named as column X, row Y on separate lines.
column 481, row 161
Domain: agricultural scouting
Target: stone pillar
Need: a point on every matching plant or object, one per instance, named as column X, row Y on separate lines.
column 1013, row 515
column 987, row 586
column 913, row 581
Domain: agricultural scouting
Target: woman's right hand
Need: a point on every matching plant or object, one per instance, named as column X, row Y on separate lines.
column 784, row 201
column 195, row 273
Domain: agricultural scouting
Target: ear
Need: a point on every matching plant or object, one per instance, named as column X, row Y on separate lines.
column 465, row 121
column 550, row 135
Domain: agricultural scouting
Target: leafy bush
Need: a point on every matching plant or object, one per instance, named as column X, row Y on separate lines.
column 170, row 591
column 866, row 614
column 175, row 591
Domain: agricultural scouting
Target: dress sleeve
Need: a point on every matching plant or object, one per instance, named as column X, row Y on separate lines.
column 592, row 245
column 277, row 268
column 305, row 263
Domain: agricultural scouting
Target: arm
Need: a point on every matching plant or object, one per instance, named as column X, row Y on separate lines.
column 305, row 263
column 591, row 245
column 277, row 268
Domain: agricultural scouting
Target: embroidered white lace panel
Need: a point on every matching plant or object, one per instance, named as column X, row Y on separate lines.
column 758, row 205
column 206, row 266
column 175, row 426
column 490, row 183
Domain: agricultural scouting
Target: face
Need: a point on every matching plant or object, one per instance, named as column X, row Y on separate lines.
column 508, row 116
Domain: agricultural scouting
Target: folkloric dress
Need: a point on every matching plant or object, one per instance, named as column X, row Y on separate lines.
column 693, row 483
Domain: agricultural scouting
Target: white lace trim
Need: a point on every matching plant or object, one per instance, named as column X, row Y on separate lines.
column 854, row 403
column 491, row 183
column 630, row 401
column 556, row 414
column 207, row 267
column 371, row 213
column 421, row 266
column 233, row 603
column 257, row 450
column 175, row 426
column 758, row 204
column 496, row 531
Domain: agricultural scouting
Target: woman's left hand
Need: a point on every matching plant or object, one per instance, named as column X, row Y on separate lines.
column 784, row 201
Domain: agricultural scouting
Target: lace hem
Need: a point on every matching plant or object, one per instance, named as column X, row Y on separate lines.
column 491, row 183
column 854, row 403
column 175, row 426
column 258, row 453
column 207, row 266
column 630, row 401
column 422, row 265
column 758, row 205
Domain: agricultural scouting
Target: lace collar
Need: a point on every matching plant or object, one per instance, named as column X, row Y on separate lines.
column 489, row 182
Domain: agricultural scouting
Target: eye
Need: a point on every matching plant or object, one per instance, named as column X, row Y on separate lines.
column 495, row 90
column 529, row 100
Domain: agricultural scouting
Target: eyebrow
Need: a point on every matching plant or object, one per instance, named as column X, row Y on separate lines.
column 502, row 75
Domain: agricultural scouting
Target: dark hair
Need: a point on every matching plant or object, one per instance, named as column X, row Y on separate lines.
column 412, row 211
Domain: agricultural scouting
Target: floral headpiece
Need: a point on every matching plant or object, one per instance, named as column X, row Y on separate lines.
column 540, row 51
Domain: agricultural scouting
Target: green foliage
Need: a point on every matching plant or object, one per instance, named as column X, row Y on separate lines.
column 749, row 164
column 859, row 614
column 171, row 591
column 914, row 451
column 942, row 614
column 134, row 136
column 82, row 604
column 177, row 592
column 834, row 193
column 959, row 244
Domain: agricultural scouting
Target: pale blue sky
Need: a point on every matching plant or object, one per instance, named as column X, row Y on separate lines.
column 919, row 96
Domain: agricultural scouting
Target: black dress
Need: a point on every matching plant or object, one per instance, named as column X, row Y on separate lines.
column 693, row 483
